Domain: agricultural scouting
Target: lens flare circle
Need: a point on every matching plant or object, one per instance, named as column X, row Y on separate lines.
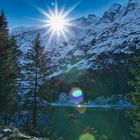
column 52, row 3
column 76, row 95
column 87, row 136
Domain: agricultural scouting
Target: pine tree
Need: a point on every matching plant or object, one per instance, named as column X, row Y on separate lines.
column 134, row 97
column 9, row 70
column 35, row 72
column 3, row 29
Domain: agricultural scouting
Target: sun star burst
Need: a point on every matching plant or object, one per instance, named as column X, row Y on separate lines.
column 57, row 23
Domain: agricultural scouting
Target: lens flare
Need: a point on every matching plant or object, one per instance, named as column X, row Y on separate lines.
column 76, row 95
column 52, row 3
column 57, row 22
column 87, row 136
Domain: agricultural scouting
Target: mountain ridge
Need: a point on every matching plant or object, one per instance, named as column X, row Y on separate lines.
column 117, row 31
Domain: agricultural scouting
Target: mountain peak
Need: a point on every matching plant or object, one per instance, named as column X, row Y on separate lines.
column 108, row 16
column 22, row 29
column 91, row 16
column 115, row 7
column 132, row 5
column 136, row 3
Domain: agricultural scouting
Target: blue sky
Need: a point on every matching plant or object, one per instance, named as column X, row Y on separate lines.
column 25, row 12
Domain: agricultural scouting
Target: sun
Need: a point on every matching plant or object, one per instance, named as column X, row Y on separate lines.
column 57, row 23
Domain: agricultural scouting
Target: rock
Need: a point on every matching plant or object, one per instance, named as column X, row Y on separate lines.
column 63, row 97
column 6, row 130
column 109, row 15
column 15, row 134
column 101, row 100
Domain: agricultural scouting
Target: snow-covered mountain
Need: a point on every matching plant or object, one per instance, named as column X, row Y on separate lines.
column 117, row 31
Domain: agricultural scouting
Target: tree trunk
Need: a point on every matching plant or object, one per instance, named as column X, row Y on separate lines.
column 34, row 119
column 5, row 118
column 34, row 116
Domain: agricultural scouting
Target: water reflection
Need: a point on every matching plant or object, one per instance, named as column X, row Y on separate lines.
column 99, row 123
column 103, row 137
column 80, row 109
column 69, row 123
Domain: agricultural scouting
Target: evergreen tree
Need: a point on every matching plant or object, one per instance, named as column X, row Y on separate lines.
column 35, row 73
column 3, row 29
column 134, row 97
column 9, row 70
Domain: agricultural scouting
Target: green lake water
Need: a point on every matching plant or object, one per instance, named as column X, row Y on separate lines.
column 90, row 123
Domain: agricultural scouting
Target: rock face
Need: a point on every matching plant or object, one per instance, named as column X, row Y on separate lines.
column 110, row 14
column 117, row 31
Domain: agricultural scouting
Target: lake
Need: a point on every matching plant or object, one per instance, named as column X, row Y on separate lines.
column 78, row 123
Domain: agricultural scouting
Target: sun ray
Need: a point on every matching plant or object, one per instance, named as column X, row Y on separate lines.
column 71, row 9
column 64, row 35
